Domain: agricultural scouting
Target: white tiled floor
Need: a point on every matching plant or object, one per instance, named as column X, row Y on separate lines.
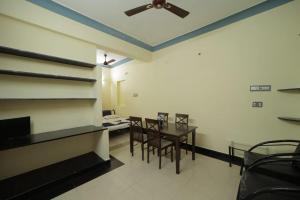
column 203, row 179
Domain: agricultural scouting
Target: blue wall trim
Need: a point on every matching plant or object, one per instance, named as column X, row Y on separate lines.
column 121, row 62
column 59, row 9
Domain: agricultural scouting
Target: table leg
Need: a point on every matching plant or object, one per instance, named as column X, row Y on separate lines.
column 230, row 157
column 232, row 154
column 177, row 149
column 193, row 144
column 131, row 144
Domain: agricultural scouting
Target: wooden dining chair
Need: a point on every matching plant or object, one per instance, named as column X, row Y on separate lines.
column 164, row 116
column 137, row 134
column 155, row 139
column 182, row 122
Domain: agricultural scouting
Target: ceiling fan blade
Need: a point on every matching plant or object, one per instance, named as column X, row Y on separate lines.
column 176, row 10
column 138, row 9
column 110, row 61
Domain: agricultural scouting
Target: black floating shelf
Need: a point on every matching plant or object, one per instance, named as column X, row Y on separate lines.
column 28, row 54
column 30, row 183
column 289, row 90
column 291, row 119
column 94, row 99
column 51, row 76
column 48, row 136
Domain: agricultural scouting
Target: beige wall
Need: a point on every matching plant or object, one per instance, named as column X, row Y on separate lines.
column 38, row 16
column 106, row 89
column 47, row 115
column 213, row 88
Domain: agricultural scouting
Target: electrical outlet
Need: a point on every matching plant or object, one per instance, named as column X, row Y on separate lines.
column 257, row 104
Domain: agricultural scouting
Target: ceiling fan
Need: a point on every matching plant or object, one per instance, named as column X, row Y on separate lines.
column 158, row 4
column 108, row 62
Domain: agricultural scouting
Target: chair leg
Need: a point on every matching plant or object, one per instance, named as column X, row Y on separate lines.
column 148, row 152
column 166, row 151
column 132, row 149
column 179, row 153
column 159, row 150
column 171, row 153
column 142, row 151
column 131, row 144
column 242, row 167
column 186, row 150
column 153, row 150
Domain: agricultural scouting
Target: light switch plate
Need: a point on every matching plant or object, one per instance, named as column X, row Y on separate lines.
column 257, row 104
column 256, row 88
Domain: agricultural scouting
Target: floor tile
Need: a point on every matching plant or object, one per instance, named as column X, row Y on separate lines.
column 203, row 179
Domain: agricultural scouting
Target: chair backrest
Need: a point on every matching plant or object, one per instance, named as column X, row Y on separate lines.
column 136, row 125
column 164, row 117
column 296, row 164
column 153, row 129
column 181, row 120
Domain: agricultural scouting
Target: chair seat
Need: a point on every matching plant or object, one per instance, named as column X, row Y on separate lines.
column 164, row 143
column 251, row 157
column 284, row 171
column 184, row 138
column 138, row 137
column 252, row 182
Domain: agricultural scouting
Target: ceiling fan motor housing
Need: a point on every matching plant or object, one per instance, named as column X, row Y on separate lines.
column 158, row 3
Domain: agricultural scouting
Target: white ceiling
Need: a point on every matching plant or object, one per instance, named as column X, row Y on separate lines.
column 156, row 26
column 100, row 57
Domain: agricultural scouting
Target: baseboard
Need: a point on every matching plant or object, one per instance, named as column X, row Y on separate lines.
column 214, row 154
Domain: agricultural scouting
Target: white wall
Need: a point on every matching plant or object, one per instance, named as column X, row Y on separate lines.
column 213, row 88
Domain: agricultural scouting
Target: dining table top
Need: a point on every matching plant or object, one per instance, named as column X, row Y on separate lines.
column 173, row 130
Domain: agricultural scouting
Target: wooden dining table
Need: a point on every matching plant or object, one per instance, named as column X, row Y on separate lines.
column 175, row 133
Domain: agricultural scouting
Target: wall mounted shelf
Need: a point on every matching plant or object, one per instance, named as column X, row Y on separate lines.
column 289, row 90
column 51, row 76
column 291, row 119
column 28, row 54
column 67, row 98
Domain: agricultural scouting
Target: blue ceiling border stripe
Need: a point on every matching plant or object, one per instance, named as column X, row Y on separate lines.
column 59, row 9
column 121, row 62
column 259, row 8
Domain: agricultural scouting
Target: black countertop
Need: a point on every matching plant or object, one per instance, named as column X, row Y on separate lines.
column 48, row 136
